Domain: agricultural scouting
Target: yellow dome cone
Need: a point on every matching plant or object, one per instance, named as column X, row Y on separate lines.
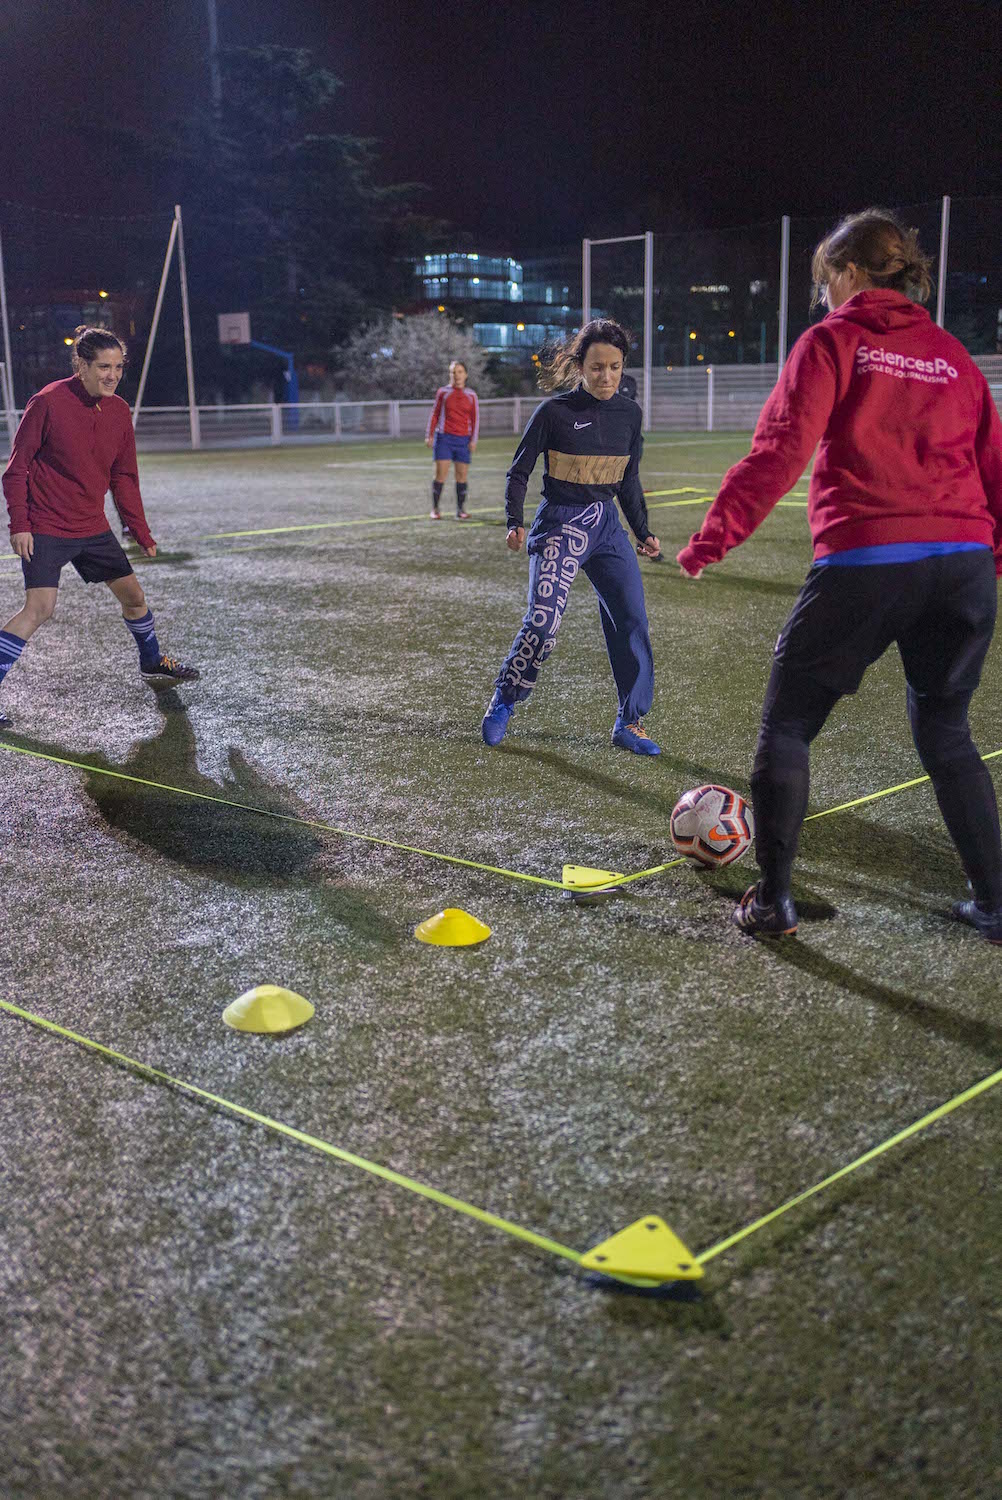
column 646, row 1252
column 452, row 928
column 269, row 1009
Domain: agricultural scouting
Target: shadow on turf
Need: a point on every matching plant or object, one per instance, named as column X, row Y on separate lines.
column 243, row 849
column 941, row 1020
column 168, row 559
column 690, row 772
column 740, row 582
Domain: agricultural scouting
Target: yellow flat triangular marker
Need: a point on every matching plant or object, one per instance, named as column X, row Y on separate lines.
column 452, row 928
column 647, row 1250
column 583, row 878
column 267, row 1008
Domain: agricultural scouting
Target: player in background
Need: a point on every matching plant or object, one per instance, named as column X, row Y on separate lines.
column 74, row 443
column 591, row 443
column 905, row 511
column 454, row 427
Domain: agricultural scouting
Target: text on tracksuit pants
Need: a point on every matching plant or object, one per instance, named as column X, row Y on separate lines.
column 562, row 541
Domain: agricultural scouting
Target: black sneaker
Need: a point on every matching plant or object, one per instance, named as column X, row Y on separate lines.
column 988, row 923
column 169, row 669
column 776, row 920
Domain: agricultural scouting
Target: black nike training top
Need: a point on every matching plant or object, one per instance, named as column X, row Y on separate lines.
column 591, row 451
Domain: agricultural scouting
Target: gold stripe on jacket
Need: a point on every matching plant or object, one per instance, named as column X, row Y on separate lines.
column 586, row 468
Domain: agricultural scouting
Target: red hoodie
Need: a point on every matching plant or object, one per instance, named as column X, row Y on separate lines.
column 69, row 450
column 909, row 439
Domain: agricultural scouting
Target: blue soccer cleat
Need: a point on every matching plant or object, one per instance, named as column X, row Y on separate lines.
column 634, row 737
column 496, row 720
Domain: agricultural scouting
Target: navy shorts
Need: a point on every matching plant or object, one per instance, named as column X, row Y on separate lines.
column 451, row 447
column 98, row 559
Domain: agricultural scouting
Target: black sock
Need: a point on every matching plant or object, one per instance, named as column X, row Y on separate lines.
column 970, row 811
column 779, row 800
column 461, row 490
column 436, row 494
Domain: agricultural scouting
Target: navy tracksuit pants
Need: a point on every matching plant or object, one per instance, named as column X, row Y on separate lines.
column 562, row 540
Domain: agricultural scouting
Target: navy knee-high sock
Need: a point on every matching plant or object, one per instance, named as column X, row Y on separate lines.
column 145, row 637
column 11, row 646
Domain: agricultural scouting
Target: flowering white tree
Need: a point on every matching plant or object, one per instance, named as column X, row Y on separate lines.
column 408, row 358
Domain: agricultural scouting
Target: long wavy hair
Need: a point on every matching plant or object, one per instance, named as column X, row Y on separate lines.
column 562, row 366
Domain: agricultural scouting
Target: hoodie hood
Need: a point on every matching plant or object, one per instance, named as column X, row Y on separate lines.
column 880, row 311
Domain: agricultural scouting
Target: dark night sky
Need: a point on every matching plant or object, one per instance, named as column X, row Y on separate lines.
column 535, row 123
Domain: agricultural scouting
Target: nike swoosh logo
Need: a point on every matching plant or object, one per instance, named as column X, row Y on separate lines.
column 578, row 425
column 716, row 837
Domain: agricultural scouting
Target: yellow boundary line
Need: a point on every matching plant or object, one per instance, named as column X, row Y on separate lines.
column 264, row 812
column 452, row 859
column 460, row 1205
column 871, row 1155
column 446, row 1200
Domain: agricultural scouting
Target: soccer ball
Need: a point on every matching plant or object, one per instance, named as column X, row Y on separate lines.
column 712, row 825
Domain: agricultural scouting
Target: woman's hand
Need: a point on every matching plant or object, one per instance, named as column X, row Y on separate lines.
column 427, row 442
column 473, row 445
column 23, row 544
column 151, row 550
column 515, row 538
column 650, row 548
column 687, row 567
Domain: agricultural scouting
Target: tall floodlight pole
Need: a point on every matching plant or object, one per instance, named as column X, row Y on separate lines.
column 784, row 288
column 8, row 370
column 648, row 325
column 585, row 281
column 625, row 239
column 215, row 78
column 944, row 245
column 196, row 436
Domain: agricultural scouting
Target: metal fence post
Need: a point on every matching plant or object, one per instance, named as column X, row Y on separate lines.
column 276, row 424
column 337, row 421
column 709, row 398
column 394, row 419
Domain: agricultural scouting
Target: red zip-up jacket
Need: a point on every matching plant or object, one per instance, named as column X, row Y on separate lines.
column 456, row 412
column 69, row 450
column 909, row 439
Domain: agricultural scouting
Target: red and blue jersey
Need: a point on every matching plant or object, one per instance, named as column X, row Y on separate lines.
column 456, row 412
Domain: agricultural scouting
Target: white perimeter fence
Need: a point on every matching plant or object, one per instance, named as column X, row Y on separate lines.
column 721, row 398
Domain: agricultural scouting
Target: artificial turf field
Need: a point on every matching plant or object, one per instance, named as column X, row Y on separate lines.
column 194, row 1306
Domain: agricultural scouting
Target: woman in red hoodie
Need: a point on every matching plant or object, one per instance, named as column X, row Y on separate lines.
column 905, row 511
column 74, row 443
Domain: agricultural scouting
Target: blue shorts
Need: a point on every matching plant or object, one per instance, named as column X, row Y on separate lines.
column 454, row 449
column 98, row 559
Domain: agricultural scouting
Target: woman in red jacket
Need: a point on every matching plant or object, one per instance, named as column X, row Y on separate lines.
column 74, row 443
column 905, row 511
column 453, row 428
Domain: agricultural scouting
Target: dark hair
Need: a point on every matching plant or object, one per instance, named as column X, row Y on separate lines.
column 88, row 341
column 878, row 243
column 563, row 364
column 458, row 361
